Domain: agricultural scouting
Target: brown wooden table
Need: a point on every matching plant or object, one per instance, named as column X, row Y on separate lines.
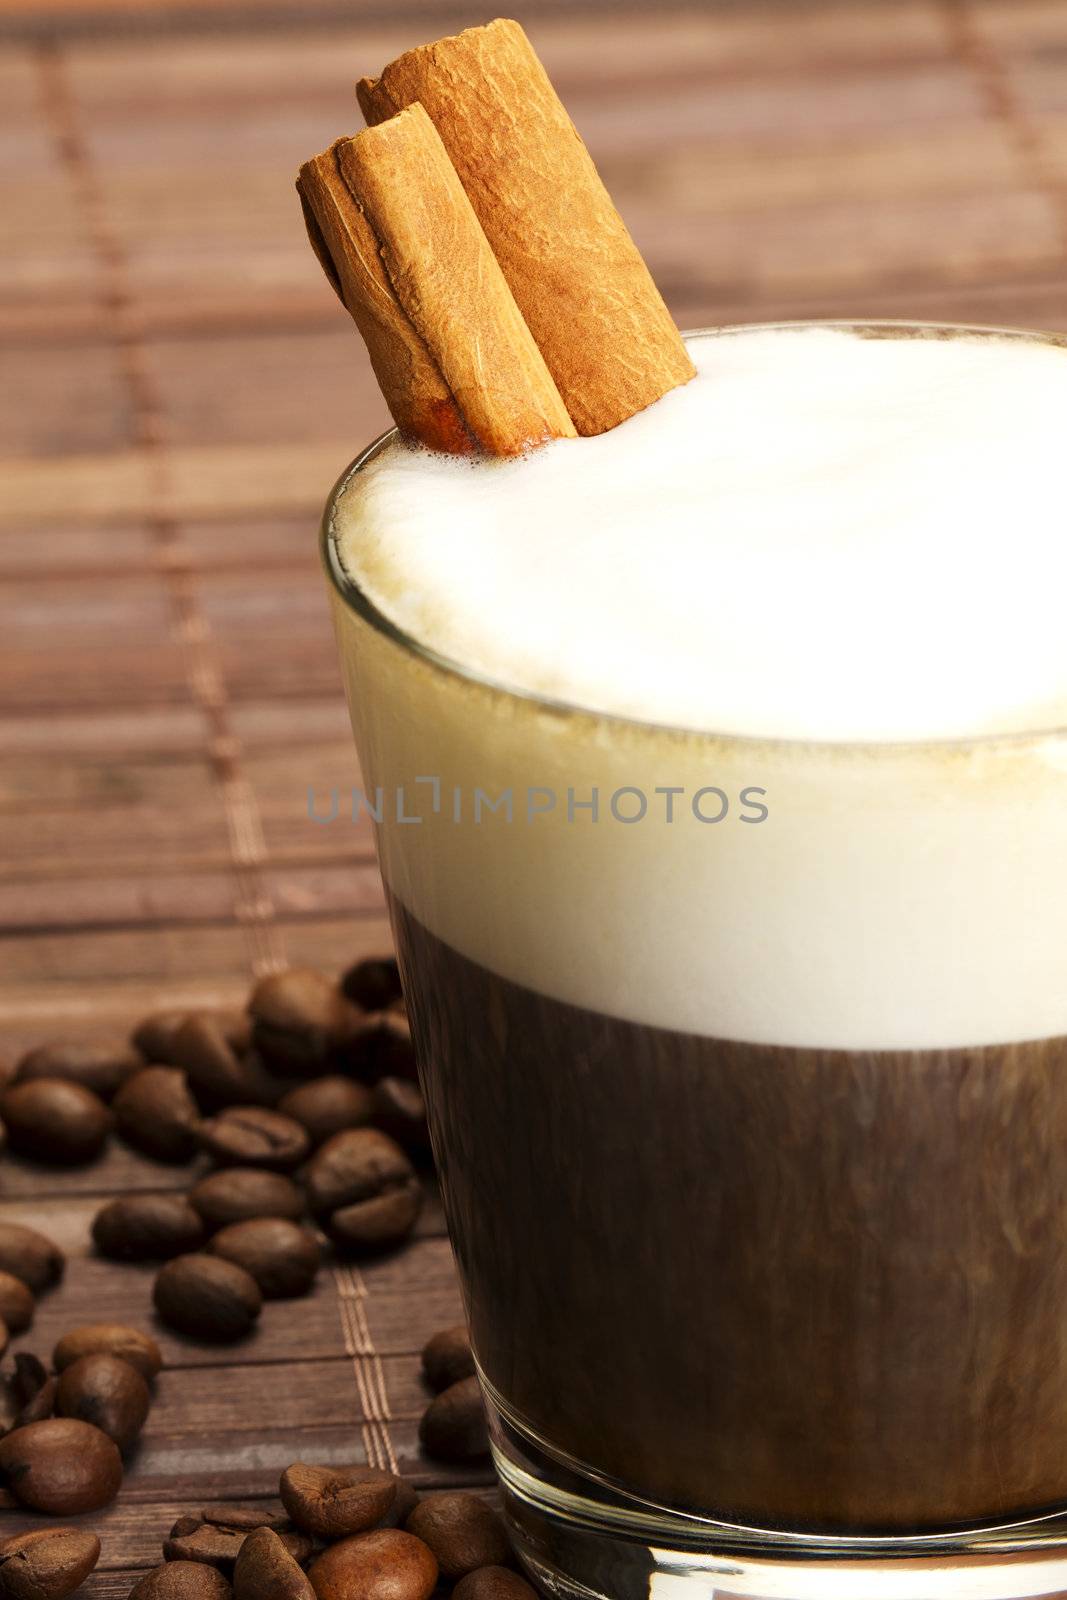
column 180, row 390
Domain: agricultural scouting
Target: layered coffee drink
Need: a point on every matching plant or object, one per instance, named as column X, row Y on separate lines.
column 720, row 782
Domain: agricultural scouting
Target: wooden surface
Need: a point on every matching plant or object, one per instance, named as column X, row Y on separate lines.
column 180, row 391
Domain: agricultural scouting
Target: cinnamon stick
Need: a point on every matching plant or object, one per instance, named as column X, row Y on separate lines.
column 395, row 232
column 416, row 393
column 577, row 276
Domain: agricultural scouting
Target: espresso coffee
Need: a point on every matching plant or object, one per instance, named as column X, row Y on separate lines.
column 723, row 813
column 816, row 1289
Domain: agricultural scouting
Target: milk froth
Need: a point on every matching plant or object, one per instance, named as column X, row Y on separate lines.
column 822, row 536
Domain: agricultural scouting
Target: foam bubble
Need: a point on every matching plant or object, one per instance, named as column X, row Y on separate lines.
column 823, row 536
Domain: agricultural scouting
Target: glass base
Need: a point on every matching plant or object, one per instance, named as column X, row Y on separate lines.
column 583, row 1540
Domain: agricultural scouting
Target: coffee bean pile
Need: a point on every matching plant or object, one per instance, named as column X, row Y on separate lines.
column 33, row 1259
column 264, row 1087
column 308, row 1104
column 64, row 1432
column 238, row 1238
column 341, row 1533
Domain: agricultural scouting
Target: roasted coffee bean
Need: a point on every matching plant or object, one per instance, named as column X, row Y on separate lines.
column 447, row 1357
column 359, row 1164
column 254, row 1136
column 242, row 1519
column 265, row 1570
column 47, row 1564
column 381, row 1048
column 299, row 1019
column 396, row 1049
column 109, row 1393
column 400, row 1111
column 214, row 1547
column 325, row 1106
column 220, row 1072
column 34, row 1388
column 157, row 1114
column 333, row 1502
column 112, row 1339
column 27, row 1394
column 40, row 1406
column 281, row 1256
column 153, row 1038
column 237, row 1029
column 207, row 1298
column 238, row 1193
column 10, row 1404
column 407, row 1499
column 102, row 1068
column 493, row 1583
column 17, row 1304
column 62, row 1466
column 30, row 1257
column 53, row 1120
column 266, row 1084
column 372, row 984
column 372, row 1226
column 462, row 1530
column 30, row 1375
column 453, row 1427
column 297, row 1544
column 384, row 1565
column 201, row 1047
column 147, row 1227
column 182, row 1580
column 5, row 1336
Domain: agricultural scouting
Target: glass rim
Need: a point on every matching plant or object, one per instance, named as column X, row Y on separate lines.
column 355, row 598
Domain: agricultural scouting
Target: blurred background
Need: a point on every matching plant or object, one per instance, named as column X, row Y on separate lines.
column 181, row 389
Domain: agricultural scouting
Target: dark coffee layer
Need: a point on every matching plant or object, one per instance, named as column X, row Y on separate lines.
column 801, row 1288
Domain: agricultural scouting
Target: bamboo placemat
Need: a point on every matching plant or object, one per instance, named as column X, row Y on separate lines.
column 181, row 390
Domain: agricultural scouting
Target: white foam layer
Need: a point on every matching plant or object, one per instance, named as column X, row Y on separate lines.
column 822, row 536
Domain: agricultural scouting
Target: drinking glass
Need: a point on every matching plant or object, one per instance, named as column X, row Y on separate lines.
column 746, row 1069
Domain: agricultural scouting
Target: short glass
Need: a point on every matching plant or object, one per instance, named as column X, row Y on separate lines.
column 746, row 1067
